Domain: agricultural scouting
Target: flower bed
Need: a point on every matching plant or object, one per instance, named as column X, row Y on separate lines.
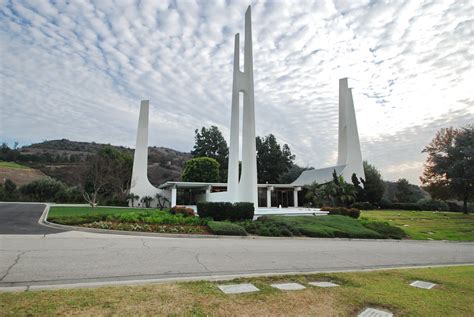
column 146, row 227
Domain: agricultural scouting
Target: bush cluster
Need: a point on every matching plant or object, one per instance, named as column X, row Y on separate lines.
column 432, row 204
column 143, row 227
column 399, row 206
column 363, row 206
column 265, row 226
column 182, row 210
column 350, row 212
column 225, row 211
column 226, row 228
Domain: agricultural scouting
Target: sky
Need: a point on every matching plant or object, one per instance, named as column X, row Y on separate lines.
column 78, row 70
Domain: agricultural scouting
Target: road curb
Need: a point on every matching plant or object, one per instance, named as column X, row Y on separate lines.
column 210, row 278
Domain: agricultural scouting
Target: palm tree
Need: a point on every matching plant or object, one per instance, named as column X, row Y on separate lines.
column 161, row 201
column 132, row 197
column 146, row 200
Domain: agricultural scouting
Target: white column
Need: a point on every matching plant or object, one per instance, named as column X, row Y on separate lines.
column 208, row 192
column 295, row 196
column 173, row 196
column 269, row 196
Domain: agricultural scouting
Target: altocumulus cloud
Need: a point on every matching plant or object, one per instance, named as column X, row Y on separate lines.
column 78, row 70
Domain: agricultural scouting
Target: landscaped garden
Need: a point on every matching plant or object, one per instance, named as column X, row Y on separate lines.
column 389, row 290
column 372, row 224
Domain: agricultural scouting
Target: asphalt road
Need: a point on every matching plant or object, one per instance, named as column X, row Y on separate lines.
column 22, row 219
column 83, row 257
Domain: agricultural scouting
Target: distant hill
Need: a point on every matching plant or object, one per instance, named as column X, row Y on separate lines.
column 63, row 159
column 19, row 174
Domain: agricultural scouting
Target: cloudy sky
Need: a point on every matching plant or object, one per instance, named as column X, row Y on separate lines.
column 78, row 70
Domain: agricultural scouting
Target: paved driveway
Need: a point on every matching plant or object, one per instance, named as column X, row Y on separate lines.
column 83, row 257
column 22, row 219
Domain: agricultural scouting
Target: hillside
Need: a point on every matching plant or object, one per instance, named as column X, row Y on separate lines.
column 63, row 160
column 19, row 174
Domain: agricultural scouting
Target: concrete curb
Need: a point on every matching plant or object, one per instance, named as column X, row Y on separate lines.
column 210, row 278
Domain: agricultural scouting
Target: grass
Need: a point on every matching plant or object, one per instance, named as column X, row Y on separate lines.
column 423, row 225
column 12, row 165
column 80, row 215
column 387, row 289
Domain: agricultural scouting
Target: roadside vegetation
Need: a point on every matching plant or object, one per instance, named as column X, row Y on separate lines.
column 387, row 289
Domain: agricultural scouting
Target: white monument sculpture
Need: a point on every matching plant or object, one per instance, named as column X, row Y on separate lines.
column 140, row 185
column 349, row 157
column 244, row 190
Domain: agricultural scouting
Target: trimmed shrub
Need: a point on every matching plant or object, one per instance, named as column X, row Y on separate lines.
column 400, row 206
column 225, row 211
column 363, row 206
column 432, row 204
column 350, row 212
column 226, row 228
column 386, row 230
column 182, row 210
column 454, row 207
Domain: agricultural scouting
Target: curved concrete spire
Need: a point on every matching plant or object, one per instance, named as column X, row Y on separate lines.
column 140, row 185
column 349, row 156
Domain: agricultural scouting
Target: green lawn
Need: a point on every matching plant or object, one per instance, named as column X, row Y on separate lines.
column 79, row 215
column 387, row 289
column 422, row 225
column 12, row 165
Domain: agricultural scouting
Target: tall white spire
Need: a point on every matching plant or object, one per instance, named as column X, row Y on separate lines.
column 244, row 190
column 349, row 153
column 140, row 185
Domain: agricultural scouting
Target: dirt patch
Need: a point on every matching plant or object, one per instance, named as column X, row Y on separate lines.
column 20, row 176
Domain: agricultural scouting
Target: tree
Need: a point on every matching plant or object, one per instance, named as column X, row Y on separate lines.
column 334, row 193
column 449, row 167
column 43, row 190
column 201, row 169
column 373, row 184
column 292, row 174
column 161, row 201
column 146, row 200
column 8, row 191
column 404, row 192
column 210, row 143
column 273, row 160
column 133, row 197
column 107, row 173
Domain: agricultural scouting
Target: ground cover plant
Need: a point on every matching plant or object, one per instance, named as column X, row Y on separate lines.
column 226, row 228
column 129, row 219
column 423, row 225
column 321, row 226
column 387, row 289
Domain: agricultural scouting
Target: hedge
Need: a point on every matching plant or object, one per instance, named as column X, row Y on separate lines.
column 225, row 210
column 350, row 212
column 226, row 228
column 363, row 206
